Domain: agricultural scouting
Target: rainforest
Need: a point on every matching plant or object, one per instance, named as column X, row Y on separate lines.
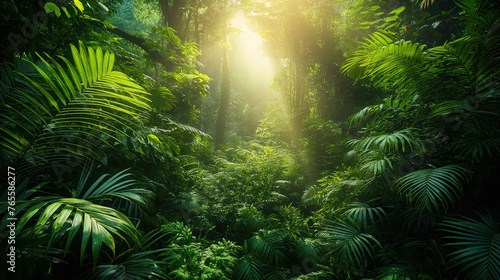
column 250, row 139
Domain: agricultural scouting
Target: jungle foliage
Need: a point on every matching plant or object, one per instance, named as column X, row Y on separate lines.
column 382, row 163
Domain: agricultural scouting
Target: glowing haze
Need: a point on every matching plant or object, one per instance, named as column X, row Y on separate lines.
column 250, row 50
column 251, row 71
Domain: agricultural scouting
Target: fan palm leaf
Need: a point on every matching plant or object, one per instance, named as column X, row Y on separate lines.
column 375, row 163
column 119, row 189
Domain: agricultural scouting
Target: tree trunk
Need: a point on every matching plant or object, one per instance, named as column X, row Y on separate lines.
column 297, row 90
column 173, row 15
column 220, row 125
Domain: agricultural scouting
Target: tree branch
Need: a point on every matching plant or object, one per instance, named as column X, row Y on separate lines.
column 140, row 42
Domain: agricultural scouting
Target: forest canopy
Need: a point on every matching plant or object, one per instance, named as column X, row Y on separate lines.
column 253, row 139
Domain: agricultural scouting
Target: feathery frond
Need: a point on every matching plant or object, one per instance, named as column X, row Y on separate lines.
column 268, row 247
column 389, row 109
column 389, row 63
column 137, row 266
column 476, row 246
column 69, row 216
column 119, row 187
column 389, row 143
column 249, row 268
column 308, row 251
column 364, row 214
column 70, row 107
column 477, row 144
column 162, row 99
column 433, row 189
column 351, row 247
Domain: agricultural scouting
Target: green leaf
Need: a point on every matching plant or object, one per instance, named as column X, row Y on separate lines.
column 393, row 18
column 68, row 15
column 79, row 5
column 398, row 10
column 154, row 139
column 51, row 7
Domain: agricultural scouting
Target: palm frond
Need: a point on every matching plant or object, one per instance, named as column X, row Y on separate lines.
column 351, row 247
column 375, row 163
column 68, row 216
column 162, row 99
column 268, row 247
column 461, row 56
column 136, row 266
column 477, row 144
column 389, row 143
column 277, row 273
column 190, row 129
column 341, row 192
column 312, row 196
column 249, row 268
column 119, row 188
column 474, row 58
column 354, row 67
column 68, row 106
column 308, row 250
column 364, row 214
column 389, row 63
column 376, row 154
column 398, row 272
column 476, row 246
column 479, row 17
column 489, row 56
column 433, row 189
column 390, row 108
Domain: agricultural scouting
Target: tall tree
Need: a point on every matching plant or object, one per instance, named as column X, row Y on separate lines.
column 225, row 90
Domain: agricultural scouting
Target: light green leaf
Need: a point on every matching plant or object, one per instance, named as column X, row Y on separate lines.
column 51, row 7
column 398, row 10
column 79, row 5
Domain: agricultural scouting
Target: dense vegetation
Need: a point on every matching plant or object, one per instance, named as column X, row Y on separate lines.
column 138, row 143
